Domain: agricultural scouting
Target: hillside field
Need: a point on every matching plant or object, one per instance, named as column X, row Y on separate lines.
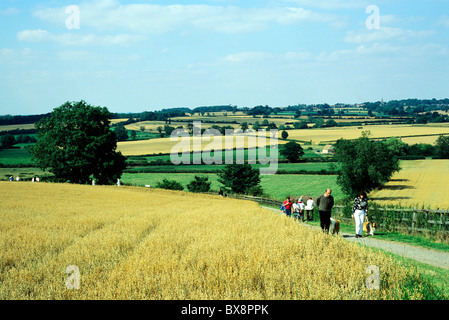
column 414, row 133
column 410, row 134
column 169, row 145
column 276, row 186
column 420, row 183
column 61, row 241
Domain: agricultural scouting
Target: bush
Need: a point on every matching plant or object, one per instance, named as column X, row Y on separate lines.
column 239, row 177
column 292, row 151
column 169, row 185
column 442, row 147
column 7, row 141
column 199, row 184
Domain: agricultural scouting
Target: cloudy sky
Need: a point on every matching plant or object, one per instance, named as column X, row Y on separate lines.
column 137, row 55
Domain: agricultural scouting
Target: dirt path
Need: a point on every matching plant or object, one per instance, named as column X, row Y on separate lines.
column 431, row 257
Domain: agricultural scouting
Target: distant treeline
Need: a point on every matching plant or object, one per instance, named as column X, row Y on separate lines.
column 422, row 110
column 10, row 120
column 165, row 114
column 162, row 115
column 408, row 107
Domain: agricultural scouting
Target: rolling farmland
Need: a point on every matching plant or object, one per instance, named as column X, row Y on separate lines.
column 277, row 186
column 408, row 133
column 413, row 133
column 166, row 145
column 135, row 243
column 420, row 183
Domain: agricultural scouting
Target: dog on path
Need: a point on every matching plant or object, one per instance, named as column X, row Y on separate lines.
column 335, row 226
column 369, row 227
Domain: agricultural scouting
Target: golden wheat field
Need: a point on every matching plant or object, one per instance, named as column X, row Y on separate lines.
column 419, row 183
column 411, row 134
column 417, row 132
column 204, row 143
column 151, row 125
column 16, row 127
column 240, row 117
column 139, row 243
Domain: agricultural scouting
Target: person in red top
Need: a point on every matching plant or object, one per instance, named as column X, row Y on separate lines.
column 288, row 207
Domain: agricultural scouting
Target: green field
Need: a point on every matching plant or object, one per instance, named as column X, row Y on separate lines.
column 292, row 179
column 282, row 168
column 277, row 186
column 15, row 157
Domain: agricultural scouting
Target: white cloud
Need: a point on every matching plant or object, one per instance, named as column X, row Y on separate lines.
column 384, row 34
column 268, row 57
column 248, row 57
column 14, row 57
column 74, row 39
column 332, row 4
column 377, row 48
column 155, row 19
column 34, row 35
column 297, row 56
column 361, row 54
column 386, row 19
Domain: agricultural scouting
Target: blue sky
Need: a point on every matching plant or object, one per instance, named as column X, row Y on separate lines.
column 138, row 55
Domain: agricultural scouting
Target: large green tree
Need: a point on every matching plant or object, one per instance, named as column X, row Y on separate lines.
column 396, row 146
column 121, row 133
column 7, row 141
column 76, row 144
column 292, row 151
column 442, row 147
column 239, row 178
column 364, row 164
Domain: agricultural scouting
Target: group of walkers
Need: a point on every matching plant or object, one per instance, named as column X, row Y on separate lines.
column 11, row 178
column 119, row 183
column 325, row 203
column 300, row 210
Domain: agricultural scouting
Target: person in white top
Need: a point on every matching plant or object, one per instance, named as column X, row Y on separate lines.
column 295, row 210
column 301, row 206
column 309, row 208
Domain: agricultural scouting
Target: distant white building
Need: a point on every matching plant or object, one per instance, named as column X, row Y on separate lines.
column 329, row 149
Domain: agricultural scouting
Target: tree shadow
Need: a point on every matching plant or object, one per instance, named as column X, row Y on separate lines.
column 397, row 187
column 390, row 198
column 399, row 180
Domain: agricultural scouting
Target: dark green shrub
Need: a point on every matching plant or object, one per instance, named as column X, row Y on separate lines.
column 199, row 184
column 169, row 185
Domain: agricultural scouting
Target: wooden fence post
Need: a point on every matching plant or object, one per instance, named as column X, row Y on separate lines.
column 413, row 220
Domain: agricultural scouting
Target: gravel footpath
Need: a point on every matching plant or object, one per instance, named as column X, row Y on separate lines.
column 432, row 257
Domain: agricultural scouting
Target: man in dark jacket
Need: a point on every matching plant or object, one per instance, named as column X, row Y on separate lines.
column 325, row 202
